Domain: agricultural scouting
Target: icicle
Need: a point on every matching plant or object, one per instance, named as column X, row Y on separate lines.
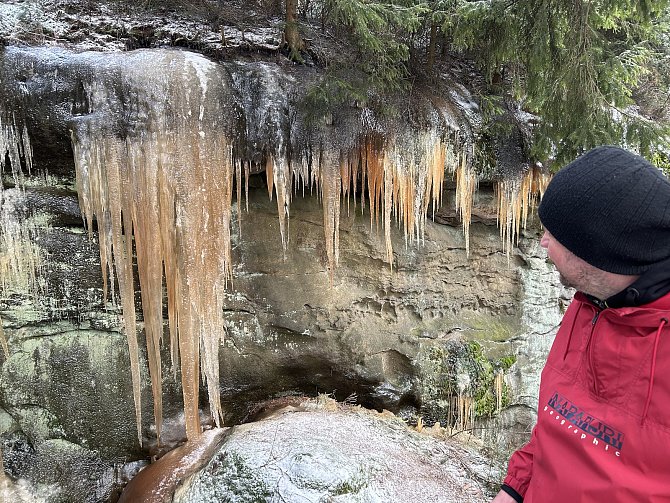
column 238, row 179
column 364, row 170
column 345, row 175
column 246, row 184
column 466, row 184
column 14, row 145
column 269, row 174
column 506, row 196
column 538, row 186
column 143, row 171
column 388, row 204
column 375, row 177
column 463, row 414
column 314, row 163
column 282, row 181
column 104, row 193
column 498, row 384
column 354, row 178
column 169, row 252
column 300, row 173
column 466, row 412
column 5, row 349
column 331, row 186
column 27, row 149
column 278, row 176
column 419, row 180
column 515, row 198
column 437, row 168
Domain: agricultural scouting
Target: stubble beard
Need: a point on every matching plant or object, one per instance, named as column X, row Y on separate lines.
column 591, row 281
column 565, row 281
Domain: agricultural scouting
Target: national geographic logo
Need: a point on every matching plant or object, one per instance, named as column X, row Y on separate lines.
column 585, row 422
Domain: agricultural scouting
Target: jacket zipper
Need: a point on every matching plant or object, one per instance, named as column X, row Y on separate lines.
column 590, row 351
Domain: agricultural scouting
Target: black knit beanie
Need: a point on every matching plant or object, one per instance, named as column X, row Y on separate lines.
column 611, row 208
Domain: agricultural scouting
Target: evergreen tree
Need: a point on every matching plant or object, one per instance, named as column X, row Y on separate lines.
column 574, row 63
column 436, row 13
column 380, row 33
column 592, row 71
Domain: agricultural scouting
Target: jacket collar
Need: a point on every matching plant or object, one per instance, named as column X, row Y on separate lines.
column 652, row 285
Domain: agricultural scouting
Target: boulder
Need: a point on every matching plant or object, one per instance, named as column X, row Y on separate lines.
column 319, row 451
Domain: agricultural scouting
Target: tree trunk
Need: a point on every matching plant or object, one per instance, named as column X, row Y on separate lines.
column 291, row 33
column 431, row 48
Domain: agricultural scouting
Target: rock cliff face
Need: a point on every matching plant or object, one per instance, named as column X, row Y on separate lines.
column 381, row 307
column 403, row 340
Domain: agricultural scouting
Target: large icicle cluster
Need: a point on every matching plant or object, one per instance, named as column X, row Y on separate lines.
column 399, row 179
column 166, row 181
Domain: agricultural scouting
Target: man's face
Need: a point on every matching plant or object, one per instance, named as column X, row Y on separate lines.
column 579, row 274
column 573, row 271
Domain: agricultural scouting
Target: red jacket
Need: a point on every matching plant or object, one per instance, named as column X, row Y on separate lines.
column 603, row 427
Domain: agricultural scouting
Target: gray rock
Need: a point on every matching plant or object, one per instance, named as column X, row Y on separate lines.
column 314, row 453
column 62, row 382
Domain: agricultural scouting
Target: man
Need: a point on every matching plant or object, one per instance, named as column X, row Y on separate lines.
column 603, row 427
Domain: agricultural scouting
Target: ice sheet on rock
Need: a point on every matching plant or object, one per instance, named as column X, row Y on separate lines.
column 462, row 98
column 263, row 90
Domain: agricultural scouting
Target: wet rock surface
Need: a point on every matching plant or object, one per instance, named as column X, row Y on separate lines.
column 369, row 333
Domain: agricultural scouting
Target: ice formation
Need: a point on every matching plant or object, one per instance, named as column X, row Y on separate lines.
column 466, row 185
column 15, row 146
column 5, row 349
column 515, row 198
column 402, row 177
column 20, row 257
column 157, row 158
column 165, row 179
